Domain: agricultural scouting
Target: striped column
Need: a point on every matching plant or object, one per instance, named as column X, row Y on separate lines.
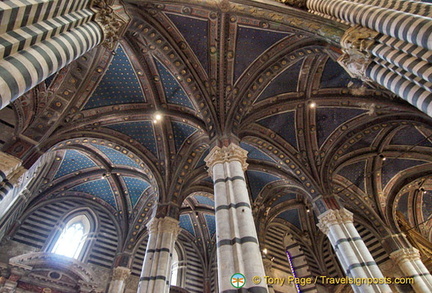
column 350, row 249
column 156, row 270
column 414, row 29
column 39, row 37
column 409, row 261
column 414, row 7
column 236, row 238
column 402, row 68
column 118, row 281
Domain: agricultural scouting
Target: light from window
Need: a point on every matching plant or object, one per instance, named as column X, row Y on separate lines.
column 72, row 238
column 174, row 268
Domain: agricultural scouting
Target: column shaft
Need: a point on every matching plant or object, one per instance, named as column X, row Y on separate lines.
column 350, row 249
column 408, row 259
column 236, row 238
column 404, row 26
column 413, row 7
column 156, row 270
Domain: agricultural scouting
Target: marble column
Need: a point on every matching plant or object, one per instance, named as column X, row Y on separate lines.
column 38, row 38
column 409, row 261
column 118, row 281
column 237, row 244
column 156, row 269
column 353, row 255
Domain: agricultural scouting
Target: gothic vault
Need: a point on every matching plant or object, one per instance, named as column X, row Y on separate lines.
column 215, row 146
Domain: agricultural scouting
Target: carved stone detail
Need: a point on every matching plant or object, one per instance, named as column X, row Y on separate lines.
column 112, row 19
column 121, row 273
column 405, row 254
column 356, row 44
column 166, row 224
column 294, row 3
column 334, row 217
column 8, row 163
column 228, row 154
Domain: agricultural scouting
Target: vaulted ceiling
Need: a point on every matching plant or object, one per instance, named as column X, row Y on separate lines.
column 265, row 75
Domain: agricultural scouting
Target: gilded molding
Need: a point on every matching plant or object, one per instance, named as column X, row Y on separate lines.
column 227, row 154
column 356, row 44
column 405, row 254
column 165, row 225
column 334, row 217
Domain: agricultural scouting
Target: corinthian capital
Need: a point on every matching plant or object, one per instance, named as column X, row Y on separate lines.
column 405, row 254
column 113, row 20
column 334, row 217
column 165, row 225
column 224, row 154
column 356, row 44
column 121, row 273
column 8, row 164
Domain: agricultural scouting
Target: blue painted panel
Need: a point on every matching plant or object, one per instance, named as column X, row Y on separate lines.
column 204, row 200
column 410, row 136
column 181, row 132
column 174, row 93
column 291, row 216
column 135, row 188
column 211, row 223
column 258, row 180
column 119, row 85
column 283, row 124
column 334, row 76
column 254, row 153
column 141, row 131
column 284, row 83
column 195, row 31
column 98, row 188
column 393, row 166
column 73, row 161
column 355, row 173
column 328, row 119
column 186, row 223
column 251, row 43
column 116, row 157
column 285, row 197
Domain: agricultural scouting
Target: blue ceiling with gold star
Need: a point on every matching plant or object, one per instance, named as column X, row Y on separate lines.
column 116, row 157
column 174, row 93
column 135, row 188
column 119, row 85
column 181, row 132
column 142, row 131
column 98, row 188
column 73, row 161
column 186, row 223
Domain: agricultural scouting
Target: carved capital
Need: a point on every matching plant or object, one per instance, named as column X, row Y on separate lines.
column 294, row 3
column 334, row 217
column 112, row 19
column 8, row 164
column 405, row 254
column 356, row 44
column 222, row 155
column 121, row 273
column 165, row 225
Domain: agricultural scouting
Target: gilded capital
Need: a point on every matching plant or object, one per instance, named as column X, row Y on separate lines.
column 9, row 164
column 121, row 273
column 334, row 217
column 356, row 44
column 220, row 155
column 164, row 225
column 112, row 19
column 405, row 254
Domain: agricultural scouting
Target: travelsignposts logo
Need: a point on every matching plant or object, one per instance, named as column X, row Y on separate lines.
column 238, row 280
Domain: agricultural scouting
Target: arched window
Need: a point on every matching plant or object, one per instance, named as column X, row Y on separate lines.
column 73, row 237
